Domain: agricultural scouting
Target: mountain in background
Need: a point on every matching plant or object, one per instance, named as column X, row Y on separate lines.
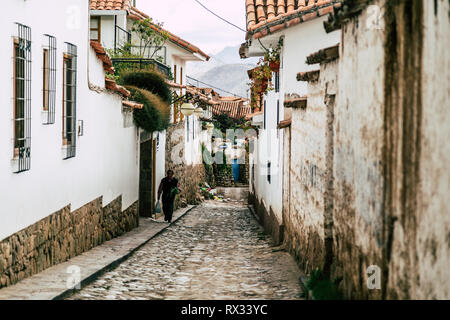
column 225, row 70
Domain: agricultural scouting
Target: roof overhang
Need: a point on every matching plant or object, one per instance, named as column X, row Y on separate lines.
column 255, row 47
column 188, row 56
column 107, row 12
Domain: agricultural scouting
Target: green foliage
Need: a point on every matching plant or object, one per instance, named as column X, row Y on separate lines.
column 122, row 51
column 223, row 122
column 322, row 287
column 151, row 37
column 149, row 80
column 222, row 167
column 150, row 118
column 207, row 163
column 273, row 54
column 111, row 76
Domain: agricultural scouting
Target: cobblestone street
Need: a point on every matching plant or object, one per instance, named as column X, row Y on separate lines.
column 216, row 251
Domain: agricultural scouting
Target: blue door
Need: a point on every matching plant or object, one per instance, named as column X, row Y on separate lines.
column 235, row 167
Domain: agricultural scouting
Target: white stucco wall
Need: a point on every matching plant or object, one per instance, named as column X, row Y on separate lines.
column 299, row 42
column 106, row 162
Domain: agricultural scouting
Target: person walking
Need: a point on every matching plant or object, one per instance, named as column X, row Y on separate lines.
column 169, row 189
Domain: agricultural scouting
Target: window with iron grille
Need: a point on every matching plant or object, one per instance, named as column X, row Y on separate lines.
column 69, row 100
column 277, row 82
column 49, row 79
column 265, row 114
column 22, row 98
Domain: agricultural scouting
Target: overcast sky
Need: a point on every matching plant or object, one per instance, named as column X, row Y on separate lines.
column 188, row 20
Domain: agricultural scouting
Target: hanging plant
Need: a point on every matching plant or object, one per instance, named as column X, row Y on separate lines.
column 149, row 80
column 260, row 76
column 155, row 116
column 272, row 56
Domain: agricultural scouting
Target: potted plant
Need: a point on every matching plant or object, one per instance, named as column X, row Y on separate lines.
column 272, row 56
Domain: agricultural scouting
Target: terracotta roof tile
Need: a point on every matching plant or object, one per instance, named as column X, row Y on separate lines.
column 139, row 15
column 132, row 104
column 110, row 5
column 264, row 17
column 232, row 106
column 103, row 56
column 175, row 85
column 198, row 93
column 112, row 85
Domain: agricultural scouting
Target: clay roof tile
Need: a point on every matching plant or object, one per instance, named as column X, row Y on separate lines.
column 262, row 15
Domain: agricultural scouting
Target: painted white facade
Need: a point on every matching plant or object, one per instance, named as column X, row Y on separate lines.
column 299, row 42
column 106, row 162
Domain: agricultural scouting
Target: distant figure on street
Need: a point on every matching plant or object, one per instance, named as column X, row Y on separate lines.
column 169, row 189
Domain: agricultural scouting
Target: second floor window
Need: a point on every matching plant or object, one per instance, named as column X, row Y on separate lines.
column 22, row 98
column 69, row 100
column 49, row 79
column 95, row 29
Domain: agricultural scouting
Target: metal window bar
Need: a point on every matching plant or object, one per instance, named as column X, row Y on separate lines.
column 22, row 98
column 277, row 82
column 70, row 100
column 265, row 114
column 49, row 90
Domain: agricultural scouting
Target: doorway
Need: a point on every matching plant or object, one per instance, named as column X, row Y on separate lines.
column 146, row 179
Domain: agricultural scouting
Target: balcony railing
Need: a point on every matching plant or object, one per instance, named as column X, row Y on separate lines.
column 121, row 37
column 141, row 63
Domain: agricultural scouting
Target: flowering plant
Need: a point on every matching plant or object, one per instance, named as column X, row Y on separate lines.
column 272, row 56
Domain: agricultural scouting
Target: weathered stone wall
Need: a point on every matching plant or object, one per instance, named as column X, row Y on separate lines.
column 61, row 236
column 189, row 176
column 433, row 219
column 417, row 147
column 358, row 171
column 391, row 174
column 223, row 175
column 308, row 172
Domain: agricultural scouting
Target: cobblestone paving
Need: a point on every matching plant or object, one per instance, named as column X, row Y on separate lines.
column 217, row 251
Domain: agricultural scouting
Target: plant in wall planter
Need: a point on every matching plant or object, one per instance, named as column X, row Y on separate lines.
column 272, row 56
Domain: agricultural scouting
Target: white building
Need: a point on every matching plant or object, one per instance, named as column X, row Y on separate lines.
column 69, row 159
column 300, row 27
column 111, row 24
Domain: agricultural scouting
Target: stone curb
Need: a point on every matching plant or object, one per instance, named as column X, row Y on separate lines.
column 117, row 262
column 20, row 290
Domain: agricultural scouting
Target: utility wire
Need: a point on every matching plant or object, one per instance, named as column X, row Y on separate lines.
column 211, row 86
column 220, row 17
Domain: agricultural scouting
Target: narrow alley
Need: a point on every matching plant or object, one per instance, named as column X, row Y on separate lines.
column 216, row 251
